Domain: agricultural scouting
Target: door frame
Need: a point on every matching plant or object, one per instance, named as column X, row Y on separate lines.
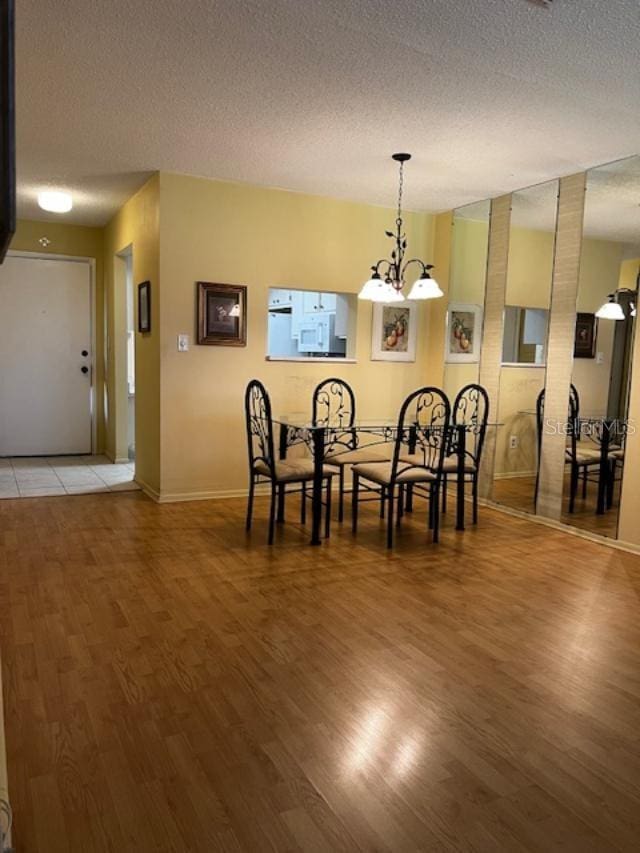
column 50, row 256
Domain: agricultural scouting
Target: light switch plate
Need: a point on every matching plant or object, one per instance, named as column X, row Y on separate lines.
column 599, row 358
column 183, row 343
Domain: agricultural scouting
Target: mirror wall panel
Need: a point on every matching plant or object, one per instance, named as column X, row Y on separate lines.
column 467, row 281
column 524, row 345
column 597, row 410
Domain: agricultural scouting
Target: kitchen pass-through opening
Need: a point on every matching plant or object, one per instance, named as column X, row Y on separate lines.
column 309, row 324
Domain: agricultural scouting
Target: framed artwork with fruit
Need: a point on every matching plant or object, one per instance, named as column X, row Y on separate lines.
column 393, row 336
column 464, row 333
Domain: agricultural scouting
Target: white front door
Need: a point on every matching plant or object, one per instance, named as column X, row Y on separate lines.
column 45, row 357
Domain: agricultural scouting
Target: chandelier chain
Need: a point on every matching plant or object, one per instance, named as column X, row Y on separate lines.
column 400, row 186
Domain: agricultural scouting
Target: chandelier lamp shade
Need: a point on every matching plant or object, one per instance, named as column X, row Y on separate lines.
column 389, row 275
column 613, row 310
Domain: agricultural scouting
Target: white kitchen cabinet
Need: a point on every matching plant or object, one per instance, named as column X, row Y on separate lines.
column 280, row 299
column 314, row 302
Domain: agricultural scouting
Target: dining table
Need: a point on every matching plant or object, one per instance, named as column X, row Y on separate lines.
column 321, row 439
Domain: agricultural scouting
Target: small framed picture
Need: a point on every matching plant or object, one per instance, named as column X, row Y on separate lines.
column 222, row 314
column 395, row 327
column 463, row 334
column 144, row 307
column 584, row 345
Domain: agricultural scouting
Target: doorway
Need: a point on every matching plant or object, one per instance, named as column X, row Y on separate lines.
column 46, row 354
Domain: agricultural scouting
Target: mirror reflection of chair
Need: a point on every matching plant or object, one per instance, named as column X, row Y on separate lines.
column 471, row 410
column 421, row 442
column 334, row 405
column 582, row 461
column 263, row 466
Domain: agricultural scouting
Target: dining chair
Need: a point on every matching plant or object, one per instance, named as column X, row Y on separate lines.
column 264, row 467
column 334, row 405
column 421, row 439
column 471, row 410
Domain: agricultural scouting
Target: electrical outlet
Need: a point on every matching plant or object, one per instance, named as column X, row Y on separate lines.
column 513, row 442
column 183, row 343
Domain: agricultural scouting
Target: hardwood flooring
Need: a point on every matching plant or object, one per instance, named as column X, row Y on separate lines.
column 517, row 493
column 171, row 684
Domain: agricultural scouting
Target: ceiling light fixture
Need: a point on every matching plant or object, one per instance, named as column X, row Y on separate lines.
column 388, row 276
column 55, row 202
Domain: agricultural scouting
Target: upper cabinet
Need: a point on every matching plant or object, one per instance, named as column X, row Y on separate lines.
column 313, row 302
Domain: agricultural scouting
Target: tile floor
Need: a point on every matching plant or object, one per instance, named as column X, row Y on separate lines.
column 40, row 476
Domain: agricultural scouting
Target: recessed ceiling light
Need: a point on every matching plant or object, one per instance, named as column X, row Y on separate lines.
column 55, row 202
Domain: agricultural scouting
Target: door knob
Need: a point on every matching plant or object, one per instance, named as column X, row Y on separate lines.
column 84, row 369
column 85, row 353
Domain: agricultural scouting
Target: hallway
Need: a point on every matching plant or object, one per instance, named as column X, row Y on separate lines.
column 48, row 476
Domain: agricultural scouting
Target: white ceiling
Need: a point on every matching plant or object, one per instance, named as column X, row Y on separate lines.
column 314, row 95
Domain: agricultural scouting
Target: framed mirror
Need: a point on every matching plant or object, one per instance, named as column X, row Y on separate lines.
column 604, row 333
column 524, row 345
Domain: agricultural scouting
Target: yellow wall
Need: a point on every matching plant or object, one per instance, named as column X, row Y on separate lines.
column 136, row 225
column 239, row 234
column 467, row 279
column 530, row 268
column 76, row 241
column 599, row 271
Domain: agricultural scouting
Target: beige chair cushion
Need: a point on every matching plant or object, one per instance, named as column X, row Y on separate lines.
column 584, row 458
column 450, row 465
column 337, row 456
column 617, row 454
column 380, row 472
column 295, row 471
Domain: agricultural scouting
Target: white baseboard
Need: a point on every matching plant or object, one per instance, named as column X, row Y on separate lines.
column 513, row 475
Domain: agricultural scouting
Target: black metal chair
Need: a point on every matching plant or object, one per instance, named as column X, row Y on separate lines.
column 471, row 410
column 263, row 466
column 422, row 436
column 334, row 405
column 585, row 461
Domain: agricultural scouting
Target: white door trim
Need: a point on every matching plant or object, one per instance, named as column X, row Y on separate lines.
column 48, row 256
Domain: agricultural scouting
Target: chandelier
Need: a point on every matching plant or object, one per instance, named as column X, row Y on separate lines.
column 389, row 276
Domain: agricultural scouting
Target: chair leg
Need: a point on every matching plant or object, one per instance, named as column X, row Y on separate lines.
column 610, row 484
column 444, row 494
column 303, row 505
column 400, row 506
column 584, row 484
column 390, row 499
column 327, row 517
column 272, row 512
column 573, row 488
column 281, row 488
column 430, row 509
column 409, row 501
column 341, row 494
column 474, row 497
column 436, row 514
column 354, row 502
column 252, row 486
column 383, row 500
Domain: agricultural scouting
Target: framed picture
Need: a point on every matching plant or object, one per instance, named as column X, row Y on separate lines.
column 222, row 314
column 393, row 336
column 584, row 345
column 144, row 307
column 463, row 335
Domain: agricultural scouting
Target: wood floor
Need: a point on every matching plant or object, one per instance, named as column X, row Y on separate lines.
column 173, row 685
column 517, row 493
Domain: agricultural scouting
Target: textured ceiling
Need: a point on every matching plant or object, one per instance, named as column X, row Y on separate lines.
column 314, row 95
